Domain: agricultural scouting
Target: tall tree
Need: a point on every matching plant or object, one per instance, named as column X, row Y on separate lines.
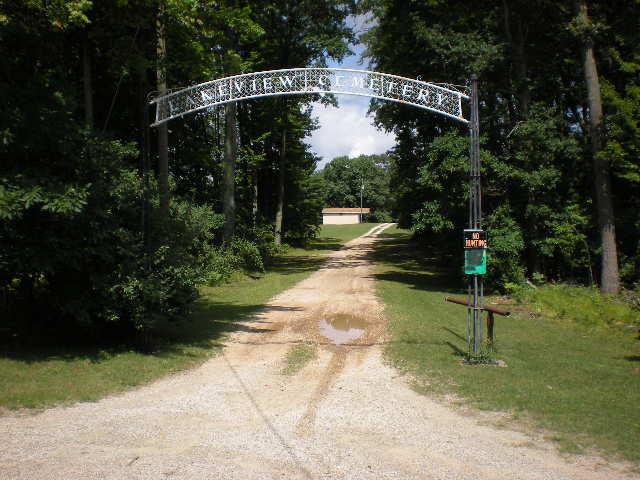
column 163, row 131
column 229, row 164
column 523, row 56
column 282, row 165
column 516, row 29
column 609, row 276
column 86, row 82
column 298, row 33
column 344, row 178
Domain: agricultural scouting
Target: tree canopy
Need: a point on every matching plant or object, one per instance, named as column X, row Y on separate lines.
column 96, row 237
column 76, row 246
column 538, row 175
column 345, row 178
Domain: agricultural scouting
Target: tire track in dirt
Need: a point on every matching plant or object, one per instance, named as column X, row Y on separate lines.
column 335, row 366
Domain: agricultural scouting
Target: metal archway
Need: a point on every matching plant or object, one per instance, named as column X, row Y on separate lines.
column 439, row 98
column 443, row 99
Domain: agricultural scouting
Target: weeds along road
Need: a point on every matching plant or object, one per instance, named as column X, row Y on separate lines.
column 346, row 414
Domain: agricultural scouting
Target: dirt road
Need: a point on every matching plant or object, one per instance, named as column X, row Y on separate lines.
column 346, row 415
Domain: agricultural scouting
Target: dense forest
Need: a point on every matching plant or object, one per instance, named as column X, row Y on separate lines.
column 95, row 234
column 559, row 113
column 224, row 188
column 347, row 180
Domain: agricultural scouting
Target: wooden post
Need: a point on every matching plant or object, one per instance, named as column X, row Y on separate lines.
column 490, row 327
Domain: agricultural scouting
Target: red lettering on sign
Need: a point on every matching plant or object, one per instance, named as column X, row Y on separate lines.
column 475, row 239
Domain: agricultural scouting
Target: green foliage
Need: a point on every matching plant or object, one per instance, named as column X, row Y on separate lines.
column 62, row 14
column 344, row 178
column 579, row 383
column 506, row 246
column 15, row 199
column 93, row 273
column 220, row 265
column 264, row 238
column 303, row 212
column 445, row 206
column 41, row 377
column 583, row 306
column 143, row 297
column 248, row 253
column 73, row 257
column 535, row 139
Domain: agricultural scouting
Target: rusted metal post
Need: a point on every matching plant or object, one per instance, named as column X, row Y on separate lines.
column 489, row 327
column 488, row 308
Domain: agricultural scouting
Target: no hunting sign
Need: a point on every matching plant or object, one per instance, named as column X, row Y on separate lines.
column 475, row 252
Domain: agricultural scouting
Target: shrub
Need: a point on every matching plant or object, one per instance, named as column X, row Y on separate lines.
column 505, row 249
column 72, row 259
column 582, row 305
column 145, row 296
column 264, row 237
column 219, row 265
column 248, row 253
column 220, row 262
column 378, row 216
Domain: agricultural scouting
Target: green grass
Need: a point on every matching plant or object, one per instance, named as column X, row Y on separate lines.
column 582, row 385
column 344, row 233
column 298, row 356
column 43, row 377
column 580, row 305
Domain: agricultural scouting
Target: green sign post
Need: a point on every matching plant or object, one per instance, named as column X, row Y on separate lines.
column 475, row 266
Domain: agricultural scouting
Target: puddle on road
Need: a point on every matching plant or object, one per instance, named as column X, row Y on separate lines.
column 342, row 328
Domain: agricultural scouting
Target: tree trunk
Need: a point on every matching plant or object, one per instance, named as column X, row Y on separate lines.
column 524, row 94
column 86, row 81
column 144, row 152
column 515, row 33
column 281, row 176
column 163, row 132
column 609, row 277
column 250, row 169
column 228, row 176
column 254, row 203
column 519, row 59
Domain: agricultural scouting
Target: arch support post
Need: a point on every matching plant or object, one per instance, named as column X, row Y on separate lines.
column 475, row 289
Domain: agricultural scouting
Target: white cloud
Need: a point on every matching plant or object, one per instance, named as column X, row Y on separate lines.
column 347, row 130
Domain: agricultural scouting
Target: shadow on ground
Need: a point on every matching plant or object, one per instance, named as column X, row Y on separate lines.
column 204, row 328
column 324, row 243
column 428, row 272
column 293, row 264
column 209, row 321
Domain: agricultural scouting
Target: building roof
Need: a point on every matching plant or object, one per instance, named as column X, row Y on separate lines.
column 346, row 210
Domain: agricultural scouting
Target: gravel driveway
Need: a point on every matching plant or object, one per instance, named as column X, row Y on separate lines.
column 345, row 415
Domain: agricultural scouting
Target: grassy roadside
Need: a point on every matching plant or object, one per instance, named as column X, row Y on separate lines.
column 581, row 384
column 38, row 378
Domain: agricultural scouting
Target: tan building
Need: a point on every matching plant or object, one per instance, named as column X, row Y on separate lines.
column 342, row 216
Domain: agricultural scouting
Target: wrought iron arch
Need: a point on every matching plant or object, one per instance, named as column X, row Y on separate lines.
column 444, row 99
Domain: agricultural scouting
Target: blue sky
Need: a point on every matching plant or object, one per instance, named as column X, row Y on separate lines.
column 347, row 130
